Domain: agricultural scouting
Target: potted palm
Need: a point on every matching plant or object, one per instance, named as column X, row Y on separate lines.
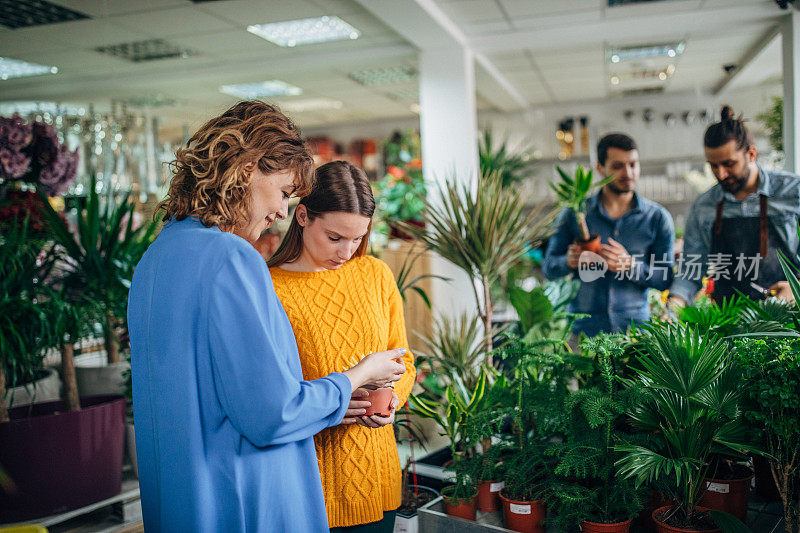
column 484, row 230
column 100, row 262
column 586, row 488
column 512, row 166
column 690, row 408
column 571, row 193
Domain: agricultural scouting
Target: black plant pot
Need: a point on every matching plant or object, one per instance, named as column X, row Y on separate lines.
column 59, row 461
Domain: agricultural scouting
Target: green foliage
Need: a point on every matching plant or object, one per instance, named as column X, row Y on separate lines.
column 571, row 193
column 455, row 348
column 103, row 254
column 586, row 485
column 542, row 310
column 400, row 199
column 25, row 329
column 406, row 283
column 511, row 167
column 690, row 406
column 771, row 373
column 773, row 123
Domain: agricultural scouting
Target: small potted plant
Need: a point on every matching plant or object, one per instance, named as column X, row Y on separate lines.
column 586, row 488
column 690, row 407
column 453, row 419
column 571, row 193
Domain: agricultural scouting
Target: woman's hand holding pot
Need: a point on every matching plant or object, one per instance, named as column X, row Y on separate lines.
column 379, row 369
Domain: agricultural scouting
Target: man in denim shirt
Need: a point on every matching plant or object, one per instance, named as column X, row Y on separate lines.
column 638, row 239
column 741, row 225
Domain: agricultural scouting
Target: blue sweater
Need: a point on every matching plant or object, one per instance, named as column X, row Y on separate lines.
column 224, row 420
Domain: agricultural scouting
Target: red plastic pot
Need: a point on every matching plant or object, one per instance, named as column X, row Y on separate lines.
column 526, row 517
column 661, row 527
column 59, row 460
column 381, row 400
column 729, row 495
column 645, row 517
column 461, row 508
column 487, row 495
column 599, row 527
column 592, row 245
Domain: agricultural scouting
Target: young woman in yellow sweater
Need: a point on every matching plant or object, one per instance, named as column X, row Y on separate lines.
column 341, row 301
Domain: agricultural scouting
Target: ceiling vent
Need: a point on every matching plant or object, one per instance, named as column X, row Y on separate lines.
column 616, row 3
column 25, row 13
column 151, row 50
column 384, row 76
column 643, row 90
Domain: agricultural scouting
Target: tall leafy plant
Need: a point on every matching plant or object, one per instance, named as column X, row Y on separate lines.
column 25, row 264
column 483, row 230
column 571, row 193
column 511, row 166
column 690, row 406
column 102, row 256
column 771, row 368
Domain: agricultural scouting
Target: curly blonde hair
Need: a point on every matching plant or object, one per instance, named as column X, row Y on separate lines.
column 209, row 180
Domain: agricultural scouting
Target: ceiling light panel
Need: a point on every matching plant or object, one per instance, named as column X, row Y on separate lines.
column 25, row 13
column 13, row 68
column 261, row 89
column 149, row 50
column 619, row 55
column 384, row 76
column 305, row 31
column 310, row 104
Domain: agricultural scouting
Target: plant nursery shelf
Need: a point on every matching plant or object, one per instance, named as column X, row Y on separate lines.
column 125, row 511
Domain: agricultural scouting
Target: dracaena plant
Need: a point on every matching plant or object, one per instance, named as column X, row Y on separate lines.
column 102, row 256
column 571, row 193
column 690, row 407
column 484, row 230
column 452, row 416
column 512, row 166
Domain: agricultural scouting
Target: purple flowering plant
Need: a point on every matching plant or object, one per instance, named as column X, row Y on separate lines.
column 31, row 152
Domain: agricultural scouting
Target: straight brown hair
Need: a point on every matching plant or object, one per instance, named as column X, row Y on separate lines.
column 339, row 187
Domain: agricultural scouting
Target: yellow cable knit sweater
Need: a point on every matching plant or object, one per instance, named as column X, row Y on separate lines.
column 337, row 314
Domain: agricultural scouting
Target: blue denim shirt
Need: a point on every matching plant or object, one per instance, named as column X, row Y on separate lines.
column 614, row 301
column 783, row 191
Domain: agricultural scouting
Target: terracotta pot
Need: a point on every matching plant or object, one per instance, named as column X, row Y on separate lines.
column 729, row 495
column 487, row 495
column 645, row 518
column 592, row 245
column 599, row 527
column 661, row 527
column 381, row 400
column 526, row 517
column 461, row 508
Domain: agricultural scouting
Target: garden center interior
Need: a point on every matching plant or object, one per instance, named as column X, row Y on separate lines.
column 455, row 110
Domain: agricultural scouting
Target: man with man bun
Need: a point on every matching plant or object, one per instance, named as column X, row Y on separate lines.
column 741, row 225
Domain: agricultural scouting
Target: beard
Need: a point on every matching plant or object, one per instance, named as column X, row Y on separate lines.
column 734, row 184
column 616, row 189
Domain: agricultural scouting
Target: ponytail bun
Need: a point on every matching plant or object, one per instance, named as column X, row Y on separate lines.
column 726, row 113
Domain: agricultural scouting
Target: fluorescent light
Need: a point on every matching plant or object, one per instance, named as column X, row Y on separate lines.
column 384, row 76
column 310, row 104
column 13, row 68
column 261, row 89
column 305, row 31
column 29, row 108
column 617, row 55
column 614, row 80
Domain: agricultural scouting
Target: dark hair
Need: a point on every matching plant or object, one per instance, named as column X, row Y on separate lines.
column 340, row 187
column 729, row 128
column 208, row 173
column 614, row 140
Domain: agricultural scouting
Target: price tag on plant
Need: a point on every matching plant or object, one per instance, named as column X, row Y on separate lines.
column 520, row 509
column 722, row 488
column 497, row 487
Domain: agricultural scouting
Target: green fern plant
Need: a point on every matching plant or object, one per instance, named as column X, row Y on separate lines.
column 571, row 193
column 586, row 485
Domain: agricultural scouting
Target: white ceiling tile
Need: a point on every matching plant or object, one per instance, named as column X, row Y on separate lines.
column 170, row 22
column 652, row 9
column 528, row 8
column 246, row 12
column 106, row 8
column 472, row 11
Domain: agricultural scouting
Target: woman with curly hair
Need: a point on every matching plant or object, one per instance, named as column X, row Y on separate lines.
column 224, row 418
column 356, row 307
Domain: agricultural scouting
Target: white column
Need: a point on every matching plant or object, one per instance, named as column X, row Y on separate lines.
column 448, row 128
column 790, row 30
column 448, row 117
